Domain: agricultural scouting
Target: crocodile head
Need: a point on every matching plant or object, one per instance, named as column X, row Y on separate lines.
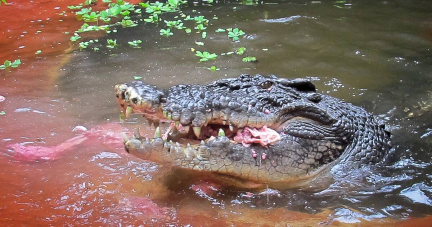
column 252, row 130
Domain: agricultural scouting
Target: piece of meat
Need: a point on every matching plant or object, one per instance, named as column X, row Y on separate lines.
column 107, row 135
column 263, row 136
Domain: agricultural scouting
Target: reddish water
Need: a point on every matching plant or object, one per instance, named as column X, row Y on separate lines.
column 93, row 181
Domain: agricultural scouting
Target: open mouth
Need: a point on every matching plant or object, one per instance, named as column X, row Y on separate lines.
column 188, row 134
column 204, row 126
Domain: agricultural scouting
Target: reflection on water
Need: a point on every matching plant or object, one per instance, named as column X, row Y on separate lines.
column 373, row 53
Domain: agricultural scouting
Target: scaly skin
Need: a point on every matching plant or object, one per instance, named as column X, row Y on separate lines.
column 296, row 132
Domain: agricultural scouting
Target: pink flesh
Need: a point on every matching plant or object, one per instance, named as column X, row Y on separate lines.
column 108, row 135
column 35, row 153
column 145, row 206
column 263, row 136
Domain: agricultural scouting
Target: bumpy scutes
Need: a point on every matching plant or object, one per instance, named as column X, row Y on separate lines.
column 252, row 130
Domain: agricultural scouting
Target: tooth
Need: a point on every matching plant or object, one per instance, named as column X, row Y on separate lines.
column 158, row 133
column 221, row 132
column 202, row 143
column 231, row 128
column 165, row 113
column 197, row 131
column 125, row 137
column 137, row 133
column 186, row 128
column 224, row 122
column 128, row 111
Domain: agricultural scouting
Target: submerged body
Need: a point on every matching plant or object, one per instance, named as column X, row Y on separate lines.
column 253, row 131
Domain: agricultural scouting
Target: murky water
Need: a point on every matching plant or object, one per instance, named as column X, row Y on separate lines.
column 376, row 54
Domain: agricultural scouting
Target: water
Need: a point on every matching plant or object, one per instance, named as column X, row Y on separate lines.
column 376, row 54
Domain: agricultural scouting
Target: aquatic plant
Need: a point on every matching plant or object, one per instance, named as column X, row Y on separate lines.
column 213, row 68
column 90, row 2
column 83, row 45
column 175, row 24
column 135, row 43
column 175, row 3
column 75, row 7
column 9, row 64
column 128, row 23
column 249, row 59
column 111, row 43
column 235, row 33
column 84, row 11
column 201, row 20
column 123, row 10
column 241, row 50
column 166, row 32
column 200, row 27
column 205, row 56
column 92, row 17
column 152, row 19
column 75, row 38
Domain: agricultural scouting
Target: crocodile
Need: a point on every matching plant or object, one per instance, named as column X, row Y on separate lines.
column 252, row 131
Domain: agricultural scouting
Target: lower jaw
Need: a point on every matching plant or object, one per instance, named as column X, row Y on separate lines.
column 232, row 181
column 178, row 175
column 157, row 151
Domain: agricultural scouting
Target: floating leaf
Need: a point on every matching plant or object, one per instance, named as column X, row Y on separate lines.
column 241, row 50
column 249, row 59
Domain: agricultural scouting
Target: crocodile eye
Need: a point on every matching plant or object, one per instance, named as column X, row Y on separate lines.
column 266, row 84
column 134, row 100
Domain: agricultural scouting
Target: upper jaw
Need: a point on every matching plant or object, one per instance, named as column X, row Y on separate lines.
column 137, row 97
